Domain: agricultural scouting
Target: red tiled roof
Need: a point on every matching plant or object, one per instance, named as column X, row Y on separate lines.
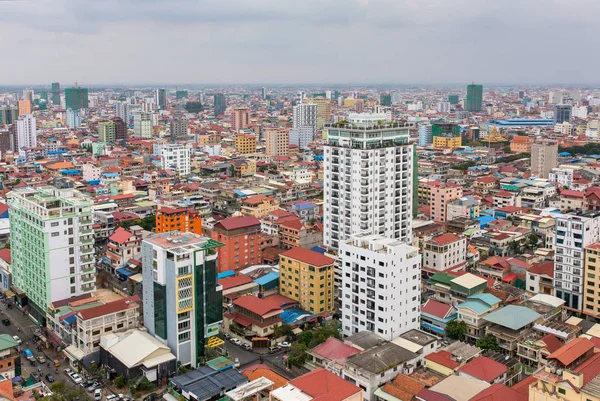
column 170, row 210
column 3, row 208
column 256, row 371
column 235, row 223
column 443, row 358
column 294, row 224
column 255, row 200
column 523, row 386
column 256, row 305
column 307, row 256
column 123, row 196
column 110, row 307
column 444, row 239
column 403, row 387
column 509, row 209
column 568, row 353
column 499, row 392
column 335, row 350
column 436, row 308
column 5, row 255
column 504, row 194
column 484, row 368
column 121, row 236
column 322, row 385
column 426, row 394
column 572, row 194
column 231, row 282
column 486, row 180
column 552, row 343
column 590, row 368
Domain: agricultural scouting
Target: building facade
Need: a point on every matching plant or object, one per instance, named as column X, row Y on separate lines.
column 220, row 104
column 305, row 115
column 245, row 143
column 142, row 124
column 277, row 141
column 241, row 237
column 425, row 136
column 240, row 118
column 184, row 220
column 177, row 157
column 76, row 98
column 178, row 127
column 474, row 100
column 544, row 153
column 25, row 133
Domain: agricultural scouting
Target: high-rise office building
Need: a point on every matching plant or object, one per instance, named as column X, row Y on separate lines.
column 183, row 304
column 73, row 118
column 25, row 132
column 305, row 115
column 176, row 157
column 323, row 110
column 453, row 99
column 178, row 126
column 122, row 111
column 240, row 118
column 573, row 233
column 161, row 98
column 8, row 114
column 544, row 153
column 425, row 136
column 142, row 124
column 302, row 136
column 385, row 99
column 381, row 286
column 113, row 130
column 56, row 93
column 562, row 113
column 264, row 92
column 52, row 244
column 368, row 180
column 474, row 101
column 277, row 141
column 220, row 104
column 76, row 98
column 24, row 107
column 28, row 94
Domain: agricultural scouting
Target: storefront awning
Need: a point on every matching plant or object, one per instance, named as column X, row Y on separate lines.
column 9, row 293
column 74, row 353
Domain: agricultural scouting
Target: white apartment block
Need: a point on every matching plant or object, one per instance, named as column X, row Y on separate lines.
column 25, row 133
column 381, row 281
column 580, row 112
column 142, row 124
column 561, row 176
column 91, row 172
column 368, row 181
column 305, row 115
column 175, row 156
column 444, row 251
column 573, row 233
column 302, row 136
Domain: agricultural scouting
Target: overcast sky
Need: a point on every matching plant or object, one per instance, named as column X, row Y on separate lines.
column 299, row 41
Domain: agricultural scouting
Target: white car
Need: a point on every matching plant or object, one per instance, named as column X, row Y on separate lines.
column 17, row 339
column 76, row 378
column 284, row 344
column 236, row 341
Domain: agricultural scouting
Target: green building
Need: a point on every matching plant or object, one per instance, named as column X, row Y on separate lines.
column 52, row 245
column 76, row 98
column 453, row 99
column 44, row 96
column 183, row 303
column 55, row 93
column 446, row 129
column 8, row 114
column 181, row 94
column 385, row 99
column 474, row 101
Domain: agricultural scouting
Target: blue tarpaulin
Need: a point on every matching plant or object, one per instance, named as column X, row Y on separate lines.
column 296, row 316
column 267, row 278
column 318, row 249
column 225, row 274
column 71, row 319
column 125, row 272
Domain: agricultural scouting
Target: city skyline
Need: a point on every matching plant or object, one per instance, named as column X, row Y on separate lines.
column 235, row 41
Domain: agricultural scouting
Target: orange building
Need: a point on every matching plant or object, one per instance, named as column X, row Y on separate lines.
column 521, row 144
column 184, row 220
column 242, row 238
column 24, row 107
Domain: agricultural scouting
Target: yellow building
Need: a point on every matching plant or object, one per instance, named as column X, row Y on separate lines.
column 323, row 109
column 447, row 142
column 591, row 280
column 277, row 141
column 244, row 168
column 307, row 277
column 258, row 206
column 245, row 143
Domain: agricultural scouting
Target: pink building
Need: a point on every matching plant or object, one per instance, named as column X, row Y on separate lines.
column 440, row 196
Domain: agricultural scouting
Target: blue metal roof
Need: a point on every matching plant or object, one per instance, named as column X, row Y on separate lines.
column 293, row 315
column 125, row 272
column 484, row 220
column 304, row 205
column 318, row 249
column 267, row 278
column 485, row 297
column 476, row 306
column 514, row 317
column 71, row 319
column 225, row 274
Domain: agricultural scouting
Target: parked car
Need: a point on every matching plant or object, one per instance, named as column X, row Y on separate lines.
column 76, row 378
column 49, row 378
column 95, row 386
column 284, row 344
column 111, row 397
column 236, row 341
column 97, row 394
column 41, row 359
column 68, row 371
column 35, row 376
column 246, row 346
column 17, row 339
column 273, row 349
column 6, row 322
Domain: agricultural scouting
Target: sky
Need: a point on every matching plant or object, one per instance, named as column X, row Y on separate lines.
column 106, row 42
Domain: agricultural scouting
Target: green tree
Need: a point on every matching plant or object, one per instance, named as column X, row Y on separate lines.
column 120, row 381
column 506, row 149
column 285, row 330
column 488, row 343
column 514, row 247
column 63, row 392
column 456, row 329
column 297, row 355
column 532, row 241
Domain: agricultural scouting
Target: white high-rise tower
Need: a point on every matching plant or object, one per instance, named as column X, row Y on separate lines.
column 26, row 133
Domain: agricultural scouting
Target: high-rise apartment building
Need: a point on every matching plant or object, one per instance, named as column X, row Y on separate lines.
column 142, row 124
column 425, row 135
column 381, row 281
column 28, row 94
column 307, row 277
column 25, row 132
column 264, row 92
column 8, row 115
column 323, row 110
column 24, row 107
column 441, row 195
column 240, row 118
column 544, row 153
column 453, row 99
column 161, row 98
column 181, row 94
column 220, row 102
column 73, row 118
column 573, row 233
column 122, row 111
column 245, row 143
column 177, row 157
column 385, row 99
column 277, row 141
column 56, row 93
column 474, row 101
column 76, row 98
column 242, row 239
column 562, row 113
column 179, row 126
column 113, row 130
column 368, row 180
column 305, row 115
column 302, row 136
column 183, row 304
column 52, row 244
column 591, row 302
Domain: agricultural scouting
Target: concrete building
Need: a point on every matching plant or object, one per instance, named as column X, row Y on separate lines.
column 242, row 238
column 113, row 130
column 562, row 113
column 245, row 143
column 52, row 245
column 425, row 135
column 368, row 181
column 305, row 115
column 307, row 277
column 544, row 153
column 56, row 93
column 474, row 100
column 441, row 195
column 73, row 118
column 277, row 141
column 24, row 107
column 184, row 220
column 444, row 251
column 123, row 111
column 176, row 156
column 591, row 303
column 25, row 133
column 76, row 98
column 183, row 305
column 323, row 110
column 302, row 136
column 574, row 232
column 240, row 118
column 161, row 98
column 179, row 127
column 220, row 104
column 381, row 281
column 142, row 124
column 561, row 176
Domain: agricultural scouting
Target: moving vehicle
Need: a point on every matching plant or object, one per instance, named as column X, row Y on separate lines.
column 41, row 359
column 236, row 341
column 284, row 344
column 35, row 376
column 49, row 378
column 17, row 339
column 29, row 355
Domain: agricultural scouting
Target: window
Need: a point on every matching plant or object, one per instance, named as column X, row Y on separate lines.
column 562, row 391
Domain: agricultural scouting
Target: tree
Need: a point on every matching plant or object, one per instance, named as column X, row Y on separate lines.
column 63, row 392
column 285, row 330
column 456, row 329
column 506, row 149
column 297, row 355
column 488, row 343
column 514, row 247
column 120, row 381
column 532, row 241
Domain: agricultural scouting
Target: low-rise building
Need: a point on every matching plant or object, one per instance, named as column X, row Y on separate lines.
column 510, row 325
column 251, row 317
column 10, row 361
column 444, row 251
column 320, row 384
column 436, row 315
column 472, row 312
column 485, row 369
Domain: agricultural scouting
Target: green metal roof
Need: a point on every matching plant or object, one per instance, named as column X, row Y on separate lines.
column 514, row 317
column 7, row 342
column 212, row 244
column 442, row 278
